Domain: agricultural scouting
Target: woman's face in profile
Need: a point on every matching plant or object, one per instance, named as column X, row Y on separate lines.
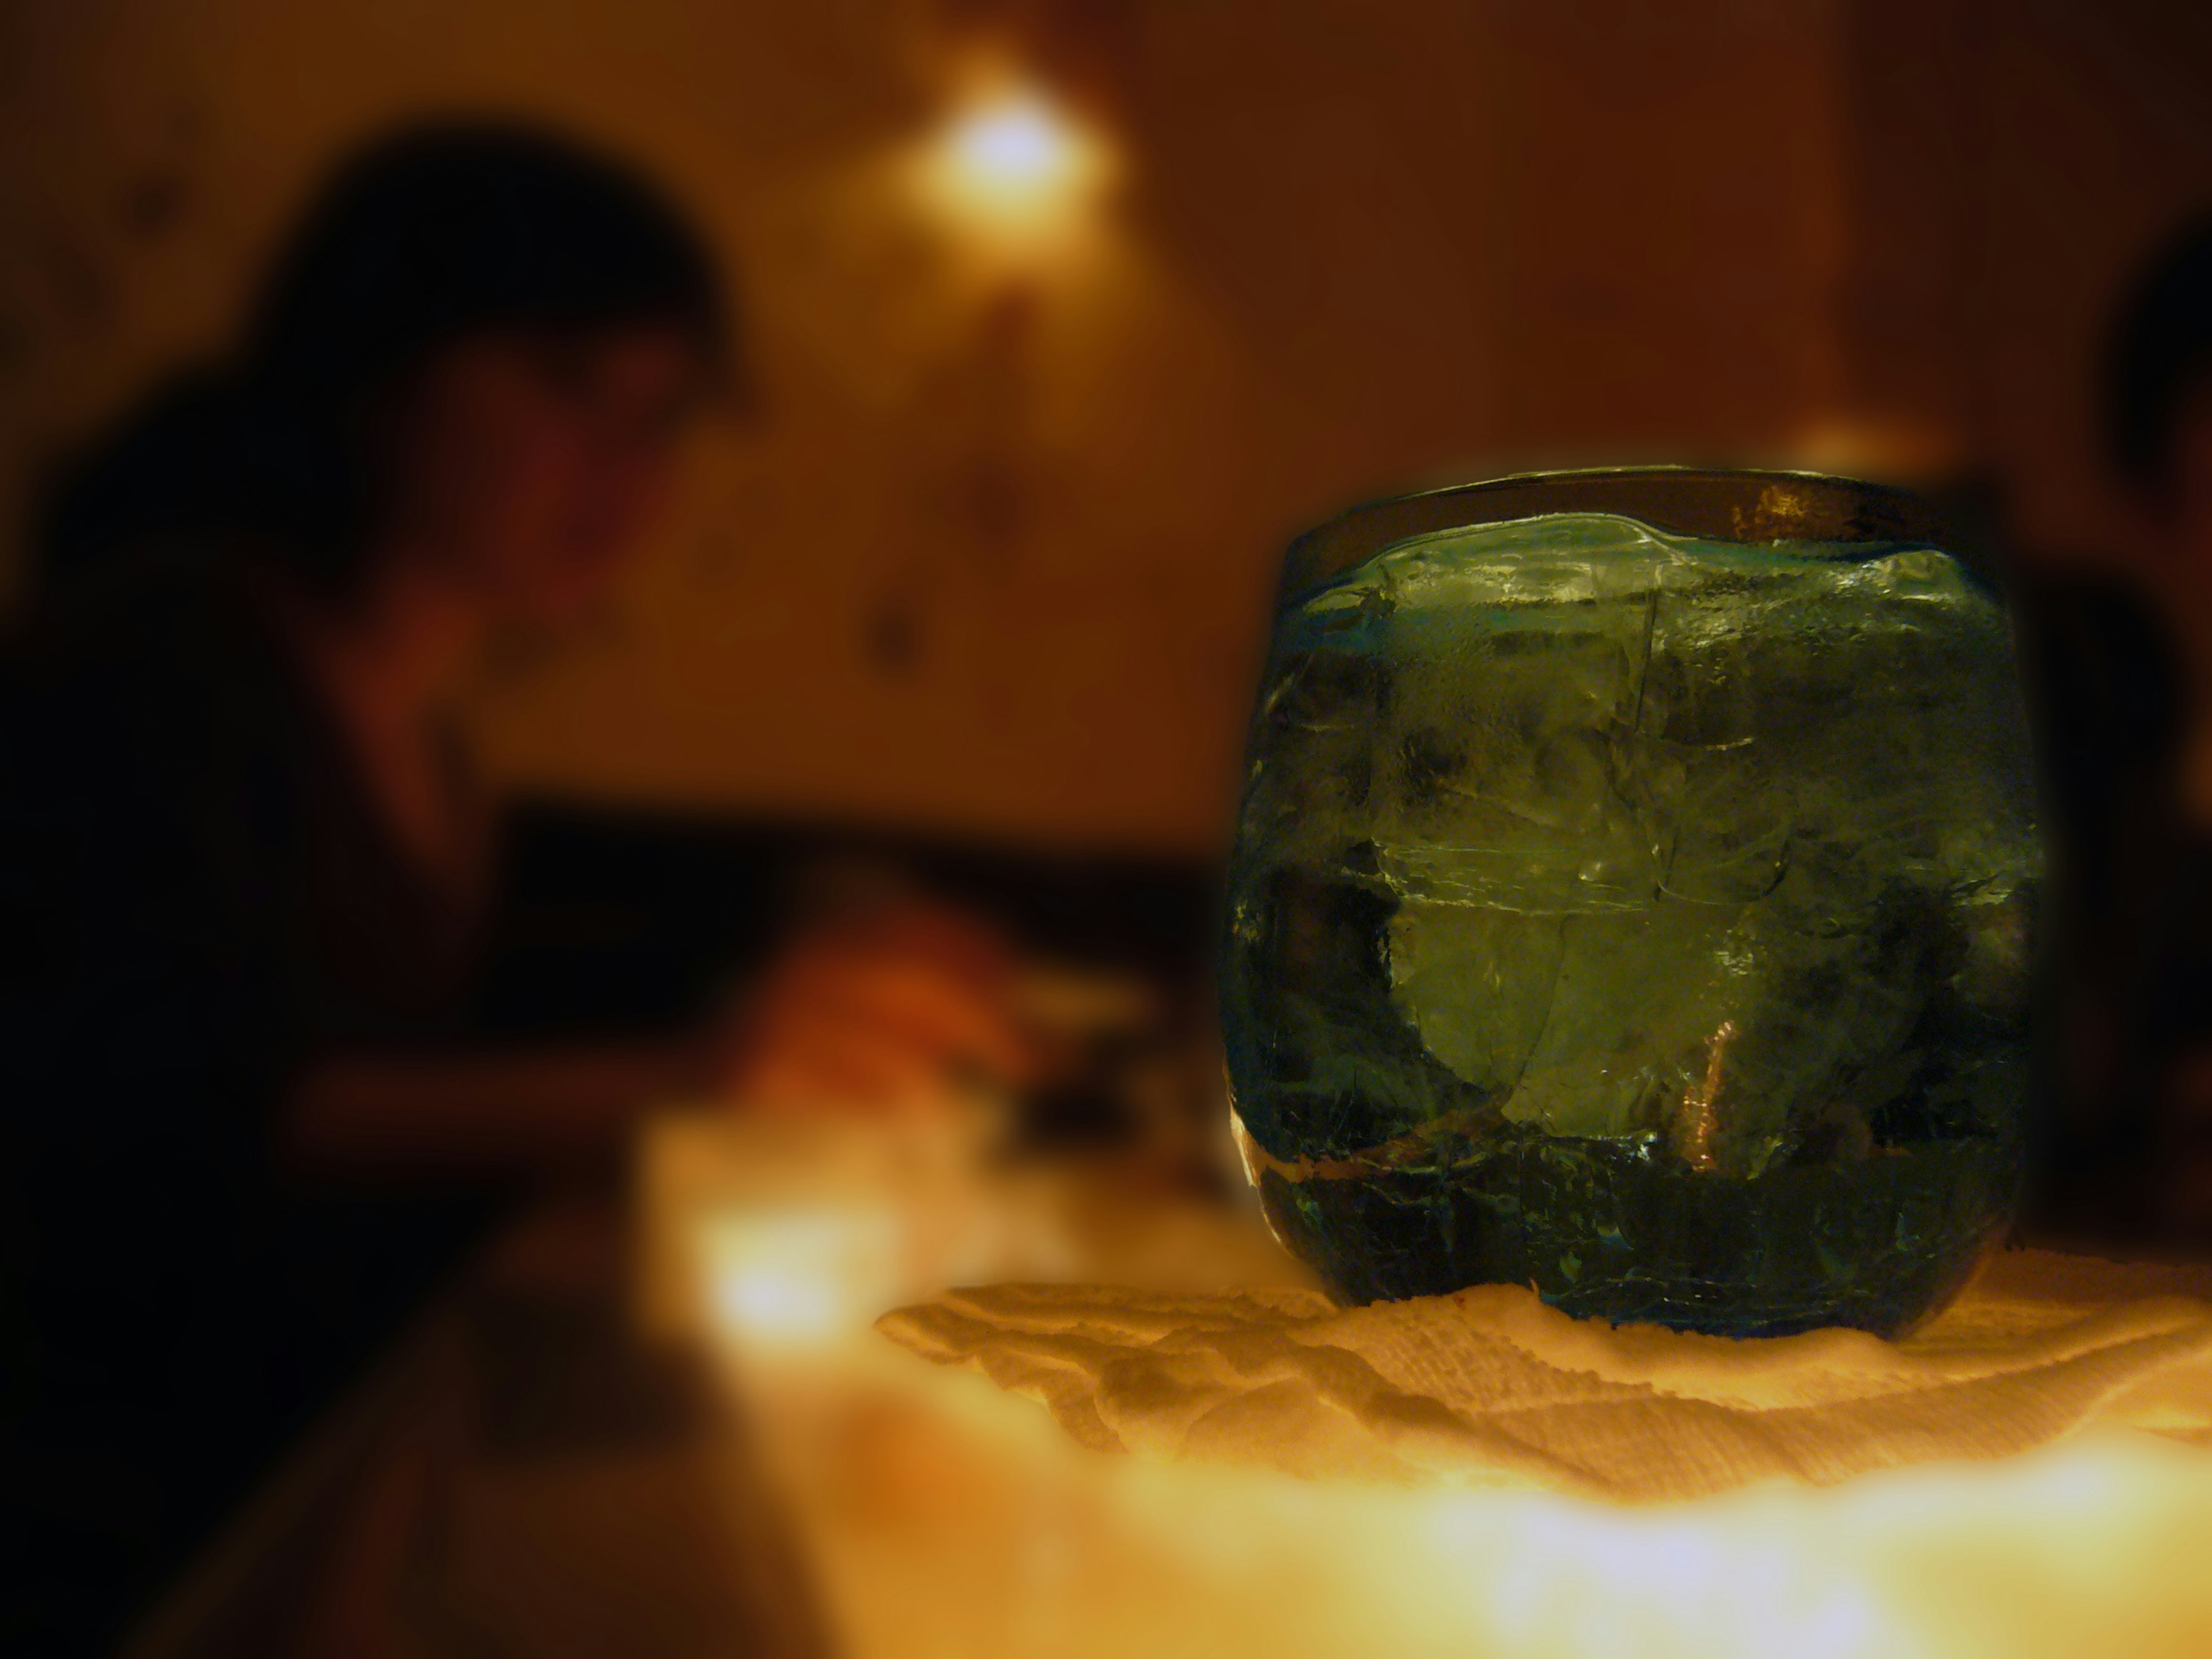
column 530, row 465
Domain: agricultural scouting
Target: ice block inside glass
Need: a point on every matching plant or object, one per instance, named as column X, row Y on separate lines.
column 1640, row 916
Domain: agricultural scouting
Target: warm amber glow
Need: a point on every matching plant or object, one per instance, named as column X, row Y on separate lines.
column 945, row 1516
column 790, row 1236
column 799, row 1277
column 1018, row 147
column 1694, row 1123
column 1014, row 167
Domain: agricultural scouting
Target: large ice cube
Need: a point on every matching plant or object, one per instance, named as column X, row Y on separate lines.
column 1666, row 840
column 1640, row 916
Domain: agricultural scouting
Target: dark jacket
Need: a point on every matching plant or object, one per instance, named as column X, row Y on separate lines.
column 198, row 900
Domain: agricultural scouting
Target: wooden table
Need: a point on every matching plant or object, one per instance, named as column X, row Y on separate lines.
column 529, row 1474
column 520, row 1477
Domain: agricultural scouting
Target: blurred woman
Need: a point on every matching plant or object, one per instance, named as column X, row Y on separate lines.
column 245, row 863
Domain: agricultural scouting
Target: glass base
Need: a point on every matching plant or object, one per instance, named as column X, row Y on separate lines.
column 1603, row 1228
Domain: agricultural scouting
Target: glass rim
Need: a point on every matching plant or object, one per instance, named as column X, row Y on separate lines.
column 1749, row 506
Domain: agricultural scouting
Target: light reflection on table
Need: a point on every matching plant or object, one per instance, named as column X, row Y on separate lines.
column 697, row 1445
column 943, row 1515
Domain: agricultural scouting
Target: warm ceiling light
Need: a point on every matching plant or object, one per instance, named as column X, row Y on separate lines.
column 1017, row 145
column 1015, row 165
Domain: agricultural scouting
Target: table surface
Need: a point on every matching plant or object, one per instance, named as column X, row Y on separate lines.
column 521, row 1475
column 526, row 1474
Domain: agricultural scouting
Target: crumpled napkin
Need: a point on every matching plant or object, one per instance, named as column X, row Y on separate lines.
column 1489, row 1387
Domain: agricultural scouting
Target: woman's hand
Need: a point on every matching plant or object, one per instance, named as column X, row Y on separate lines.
column 891, row 1009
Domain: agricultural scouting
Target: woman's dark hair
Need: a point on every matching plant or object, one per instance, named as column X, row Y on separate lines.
column 426, row 237
column 2159, row 353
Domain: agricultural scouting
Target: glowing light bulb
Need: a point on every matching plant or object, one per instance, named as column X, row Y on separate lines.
column 1014, row 169
column 1019, row 145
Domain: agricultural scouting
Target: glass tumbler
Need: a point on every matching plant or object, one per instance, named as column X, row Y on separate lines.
column 1631, row 898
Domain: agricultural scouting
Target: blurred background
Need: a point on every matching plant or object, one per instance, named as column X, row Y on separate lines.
column 1060, row 318
column 992, row 559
